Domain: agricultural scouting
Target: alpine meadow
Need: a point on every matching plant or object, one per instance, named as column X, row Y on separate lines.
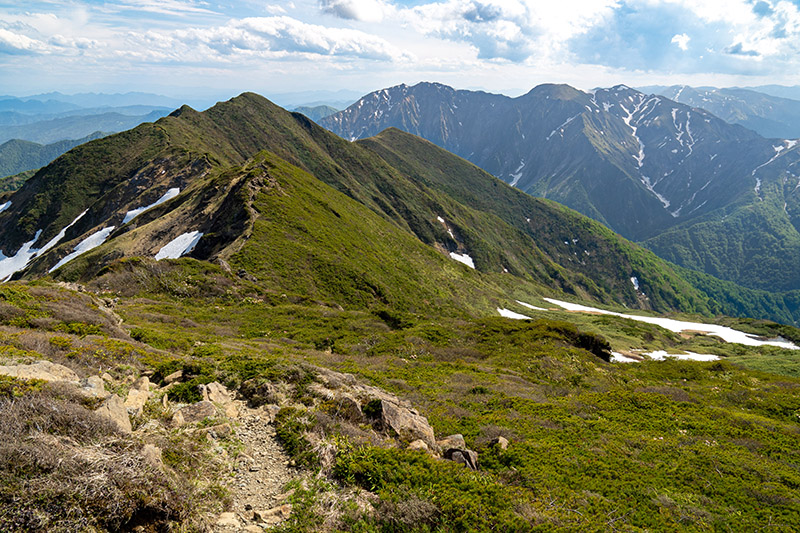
column 448, row 274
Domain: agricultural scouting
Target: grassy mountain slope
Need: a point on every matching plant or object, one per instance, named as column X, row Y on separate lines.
column 699, row 191
column 187, row 146
column 441, row 200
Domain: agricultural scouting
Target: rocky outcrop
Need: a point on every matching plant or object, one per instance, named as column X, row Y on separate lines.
column 191, row 414
column 114, row 409
column 44, row 370
column 138, row 396
column 94, row 387
column 406, row 423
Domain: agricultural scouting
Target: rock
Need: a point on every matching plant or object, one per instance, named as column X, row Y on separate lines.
column 165, row 401
column 349, row 408
column 136, row 399
column 172, row 378
column 94, row 387
column 219, row 431
column 463, row 456
column 406, row 423
column 107, row 377
column 114, row 409
column 177, row 420
column 152, row 455
column 142, row 384
column 232, row 410
column 253, row 529
column 418, row 445
column 282, row 512
column 228, row 520
column 452, row 441
column 501, row 442
column 194, row 413
column 218, row 393
column 322, row 391
column 44, row 370
column 285, row 495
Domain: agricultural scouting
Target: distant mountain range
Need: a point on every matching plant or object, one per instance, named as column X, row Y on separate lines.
column 382, row 223
column 18, row 156
column 316, row 113
column 769, row 116
column 699, row 191
column 51, row 117
column 34, row 130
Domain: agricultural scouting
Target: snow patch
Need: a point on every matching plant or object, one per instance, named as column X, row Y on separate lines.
column 5, row 206
column 635, row 282
column 517, row 173
column 560, row 129
column 55, row 240
column 9, row 265
column 179, row 246
column 169, row 195
column 725, row 333
column 660, row 355
column 463, row 258
column 617, row 357
column 92, row 241
column 506, row 313
column 529, row 306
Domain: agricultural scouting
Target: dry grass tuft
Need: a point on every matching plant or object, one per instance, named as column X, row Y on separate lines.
column 64, row 468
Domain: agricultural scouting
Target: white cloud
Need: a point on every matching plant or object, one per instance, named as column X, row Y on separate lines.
column 509, row 29
column 163, row 7
column 361, row 10
column 682, row 40
column 268, row 37
column 16, row 43
column 274, row 9
column 762, row 29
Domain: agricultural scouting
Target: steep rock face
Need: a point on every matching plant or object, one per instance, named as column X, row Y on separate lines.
column 641, row 164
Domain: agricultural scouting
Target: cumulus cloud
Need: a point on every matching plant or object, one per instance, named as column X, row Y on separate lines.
column 508, row 29
column 269, row 37
column 361, row 10
column 16, row 43
column 682, row 40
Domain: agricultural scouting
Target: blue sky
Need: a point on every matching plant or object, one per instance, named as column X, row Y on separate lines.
column 215, row 49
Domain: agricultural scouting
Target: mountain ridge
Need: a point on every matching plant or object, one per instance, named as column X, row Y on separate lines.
column 640, row 164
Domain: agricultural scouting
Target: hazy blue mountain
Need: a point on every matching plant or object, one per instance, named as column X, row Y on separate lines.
column 73, row 127
column 316, row 113
column 18, row 156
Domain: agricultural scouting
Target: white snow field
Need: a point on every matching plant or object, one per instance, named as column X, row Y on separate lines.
column 133, row 213
column 89, row 243
column 725, row 333
column 180, row 245
column 463, row 258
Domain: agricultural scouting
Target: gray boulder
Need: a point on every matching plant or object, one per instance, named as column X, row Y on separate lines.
column 406, row 423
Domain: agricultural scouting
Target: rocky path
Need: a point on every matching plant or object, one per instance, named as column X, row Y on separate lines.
column 261, row 471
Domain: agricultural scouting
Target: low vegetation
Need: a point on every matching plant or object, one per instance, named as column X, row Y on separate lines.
column 659, row 445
